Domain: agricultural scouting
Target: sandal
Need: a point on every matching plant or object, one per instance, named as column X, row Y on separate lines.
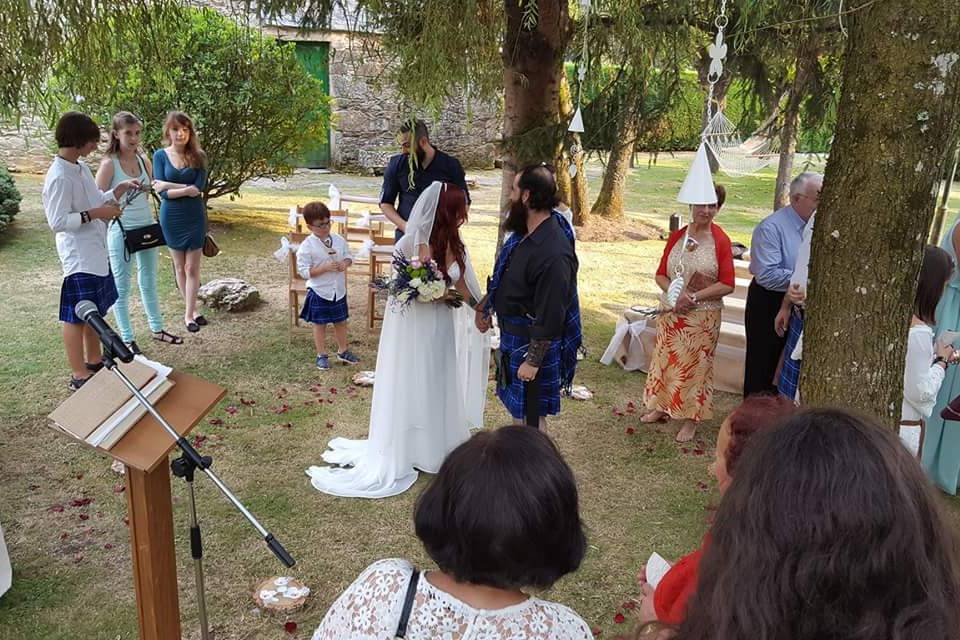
column 200, row 320
column 167, row 338
column 135, row 348
column 76, row 383
column 192, row 327
column 93, row 367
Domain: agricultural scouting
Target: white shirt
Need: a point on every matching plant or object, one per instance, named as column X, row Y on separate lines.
column 331, row 285
column 370, row 610
column 921, row 378
column 801, row 268
column 67, row 190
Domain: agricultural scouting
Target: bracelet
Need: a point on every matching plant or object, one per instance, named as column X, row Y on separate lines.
column 938, row 360
column 84, row 217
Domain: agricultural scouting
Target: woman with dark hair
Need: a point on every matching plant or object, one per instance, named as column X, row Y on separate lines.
column 680, row 377
column 828, row 530
column 431, row 368
column 667, row 602
column 927, row 361
column 180, row 176
column 502, row 515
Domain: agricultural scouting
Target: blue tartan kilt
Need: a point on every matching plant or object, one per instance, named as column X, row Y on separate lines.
column 513, row 396
column 100, row 290
column 790, row 372
column 320, row 311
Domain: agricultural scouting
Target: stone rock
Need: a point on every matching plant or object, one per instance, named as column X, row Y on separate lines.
column 232, row 294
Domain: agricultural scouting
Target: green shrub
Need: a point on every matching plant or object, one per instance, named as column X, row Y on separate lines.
column 9, row 199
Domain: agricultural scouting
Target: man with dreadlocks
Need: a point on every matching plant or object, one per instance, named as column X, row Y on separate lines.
column 533, row 292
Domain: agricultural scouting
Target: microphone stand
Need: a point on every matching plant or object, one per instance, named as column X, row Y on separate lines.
column 184, row 467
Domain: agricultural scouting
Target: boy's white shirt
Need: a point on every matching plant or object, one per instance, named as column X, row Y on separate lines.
column 331, row 285
column 67, row 190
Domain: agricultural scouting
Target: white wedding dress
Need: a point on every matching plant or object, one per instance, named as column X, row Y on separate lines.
column 429, row 389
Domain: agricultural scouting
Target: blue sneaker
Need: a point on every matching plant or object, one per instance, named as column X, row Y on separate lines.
column 347, row 357
column 323, row 362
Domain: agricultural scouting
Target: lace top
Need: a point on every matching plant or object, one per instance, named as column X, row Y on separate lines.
column 370, row 610
column 702, row 259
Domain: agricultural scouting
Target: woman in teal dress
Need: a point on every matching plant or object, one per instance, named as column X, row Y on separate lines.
column 180, row 175
column 941, row 445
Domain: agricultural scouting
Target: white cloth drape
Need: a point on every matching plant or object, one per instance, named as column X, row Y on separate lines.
column 6, row 572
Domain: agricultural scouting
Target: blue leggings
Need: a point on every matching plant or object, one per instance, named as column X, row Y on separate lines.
column 146, row 278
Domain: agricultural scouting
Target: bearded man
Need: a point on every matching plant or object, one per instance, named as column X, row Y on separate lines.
column 431, row 165
column 533, row 292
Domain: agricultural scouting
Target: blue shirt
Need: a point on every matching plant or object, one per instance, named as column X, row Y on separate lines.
column 443, row 168
column 773, row 250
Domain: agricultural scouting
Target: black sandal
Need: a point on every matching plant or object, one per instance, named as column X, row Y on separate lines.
column 193, row 327
column 166, row 338
column 93, row 367
column 76, row 383
column 200, row 320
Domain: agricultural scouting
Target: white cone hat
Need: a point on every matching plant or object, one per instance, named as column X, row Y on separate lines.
column 698, row 187
column 576, row 124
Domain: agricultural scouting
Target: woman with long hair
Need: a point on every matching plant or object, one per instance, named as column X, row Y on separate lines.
column 125, row 161
column 828, row 530
column 927, row 360
column 180, row 176
column 431, row 368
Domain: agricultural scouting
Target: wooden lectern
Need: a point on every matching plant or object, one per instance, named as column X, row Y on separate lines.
column 144, row 451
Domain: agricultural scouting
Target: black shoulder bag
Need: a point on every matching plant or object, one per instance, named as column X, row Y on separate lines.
column 146, row 237
column 407, row 605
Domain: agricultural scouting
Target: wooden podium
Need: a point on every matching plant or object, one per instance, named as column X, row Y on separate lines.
column 144, row 451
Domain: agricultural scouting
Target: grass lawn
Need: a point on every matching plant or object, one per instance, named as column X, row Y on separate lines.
column 640, row 492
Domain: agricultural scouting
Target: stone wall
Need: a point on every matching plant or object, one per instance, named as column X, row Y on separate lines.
column 366, row 116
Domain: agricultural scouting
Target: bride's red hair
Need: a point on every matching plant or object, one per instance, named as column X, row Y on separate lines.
column 451, row 213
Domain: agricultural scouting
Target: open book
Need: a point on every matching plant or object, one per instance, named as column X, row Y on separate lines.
column 103, row 410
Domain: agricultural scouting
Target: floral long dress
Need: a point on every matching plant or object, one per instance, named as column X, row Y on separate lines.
column 680, row 380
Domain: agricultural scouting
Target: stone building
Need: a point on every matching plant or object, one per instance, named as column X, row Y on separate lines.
column 366, row 110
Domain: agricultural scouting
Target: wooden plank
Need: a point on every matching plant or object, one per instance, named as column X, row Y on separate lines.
column 154, row 559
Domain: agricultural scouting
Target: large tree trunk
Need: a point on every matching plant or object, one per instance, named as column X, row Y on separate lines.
column 609, row 202
column 901, row 93
column 572, row 191
column 806, row 58
column 532, row 70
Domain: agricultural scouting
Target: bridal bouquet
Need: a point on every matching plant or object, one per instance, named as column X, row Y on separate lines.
column 415, row 280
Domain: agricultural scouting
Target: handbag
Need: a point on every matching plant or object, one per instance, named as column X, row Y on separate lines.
column 210, row 247
column 677, row 284
column 135, row 240
column 407, row 605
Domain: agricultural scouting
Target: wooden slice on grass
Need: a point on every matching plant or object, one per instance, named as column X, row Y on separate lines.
column 281, row 594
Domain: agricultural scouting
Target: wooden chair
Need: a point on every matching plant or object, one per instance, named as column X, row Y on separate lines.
column 296, row 286
column 381, row 258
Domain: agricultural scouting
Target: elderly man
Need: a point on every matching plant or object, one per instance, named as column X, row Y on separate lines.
column 431, row 165
column 773, row 256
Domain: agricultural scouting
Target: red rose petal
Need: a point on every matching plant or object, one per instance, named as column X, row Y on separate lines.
column 630, row 431
column 64, row 536
column 329, row 425
column 79, row 476
column 231, row 410
column 119, row 488
column 108, row 546
column 57, row 508
column 698, row 452
column 216, row 422
column 684, row 450
column 248, row 403
column 619, row 618
column 703, row 486
column 198, row 441
column 80, row 502
column 84, row 516
column 629, row 605
column 333, row 390
column 596, row 631
column 290, row 627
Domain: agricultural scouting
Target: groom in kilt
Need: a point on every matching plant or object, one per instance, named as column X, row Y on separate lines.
column 533, row 292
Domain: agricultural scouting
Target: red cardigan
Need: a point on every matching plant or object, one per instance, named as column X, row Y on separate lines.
column 676, row 587
column 725, row 270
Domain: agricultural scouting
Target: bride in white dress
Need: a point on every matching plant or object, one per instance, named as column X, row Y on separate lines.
column 431, row 374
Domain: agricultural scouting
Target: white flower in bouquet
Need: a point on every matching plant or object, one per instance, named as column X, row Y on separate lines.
column 404, row 296
column 416, row 283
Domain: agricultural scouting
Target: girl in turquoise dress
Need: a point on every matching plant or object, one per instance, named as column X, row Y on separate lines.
column 123, row 162
column 180, row 175
column 941, row 445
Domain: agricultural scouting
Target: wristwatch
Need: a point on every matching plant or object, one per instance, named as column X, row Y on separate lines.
column 84, row 217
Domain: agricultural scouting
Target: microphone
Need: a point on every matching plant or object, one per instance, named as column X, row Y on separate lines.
column 88, row 312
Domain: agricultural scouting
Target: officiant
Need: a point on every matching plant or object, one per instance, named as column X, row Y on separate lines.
column 533, row 292
column 431, row 165
column 680, row 379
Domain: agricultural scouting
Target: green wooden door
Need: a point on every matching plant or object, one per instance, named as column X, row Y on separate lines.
column 315, row 58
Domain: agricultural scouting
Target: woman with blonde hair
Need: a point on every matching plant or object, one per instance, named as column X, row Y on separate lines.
column 122, row 162
column 180, row 176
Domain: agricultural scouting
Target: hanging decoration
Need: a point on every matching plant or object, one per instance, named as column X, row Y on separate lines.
column 735, row 156
column 576, row 123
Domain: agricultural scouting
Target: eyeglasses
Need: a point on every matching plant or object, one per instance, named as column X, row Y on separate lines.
column 320, row 225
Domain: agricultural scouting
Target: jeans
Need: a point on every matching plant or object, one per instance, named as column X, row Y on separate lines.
column 146, row 261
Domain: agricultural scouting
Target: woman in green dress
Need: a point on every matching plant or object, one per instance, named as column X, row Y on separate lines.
column 941, row 445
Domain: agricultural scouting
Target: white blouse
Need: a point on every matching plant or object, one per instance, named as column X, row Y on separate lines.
column 921, row 383
column 370, row 610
